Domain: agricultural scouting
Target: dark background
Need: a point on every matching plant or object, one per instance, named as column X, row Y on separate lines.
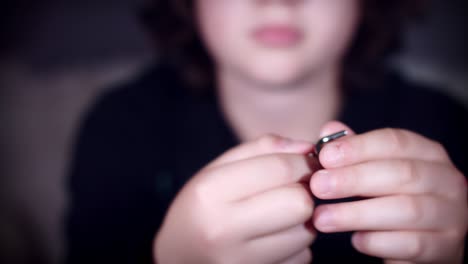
column 57, row 56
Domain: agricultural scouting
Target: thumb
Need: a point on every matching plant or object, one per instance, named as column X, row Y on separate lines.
column 333, row 127
column 267, row 144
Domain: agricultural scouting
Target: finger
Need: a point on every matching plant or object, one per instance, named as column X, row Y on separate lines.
column 280, row 246
column 402, row 212
column 333, row 127
column 272, row 211
column 381, row 144
column 387, row 177
column 241, row 179
column 302, row 257
column 398, row 262
column 266, row 144
column 400, row 247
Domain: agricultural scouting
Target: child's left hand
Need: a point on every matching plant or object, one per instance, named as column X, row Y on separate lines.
column 417, row 211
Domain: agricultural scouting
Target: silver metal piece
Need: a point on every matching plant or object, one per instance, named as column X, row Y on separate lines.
column 319, row 145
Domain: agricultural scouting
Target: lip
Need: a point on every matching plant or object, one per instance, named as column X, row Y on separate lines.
column 278, row 36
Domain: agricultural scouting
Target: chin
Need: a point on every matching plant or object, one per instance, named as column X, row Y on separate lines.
column 285, row 74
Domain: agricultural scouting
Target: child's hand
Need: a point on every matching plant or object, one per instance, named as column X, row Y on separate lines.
column 247, row 206
column 418, row 210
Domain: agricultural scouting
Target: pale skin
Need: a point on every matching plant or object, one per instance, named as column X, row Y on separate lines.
column 232, row 211
column 417, row 211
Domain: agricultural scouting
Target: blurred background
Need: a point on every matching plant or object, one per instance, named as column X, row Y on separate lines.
column 57, row 56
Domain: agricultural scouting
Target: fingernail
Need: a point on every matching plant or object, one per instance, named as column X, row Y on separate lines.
column 357, row 239
column 323, row 182
column 333, row 153
column 325, row 220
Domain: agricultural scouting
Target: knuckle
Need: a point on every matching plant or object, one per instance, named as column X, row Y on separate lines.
column 283, row 166
column 415, row 248
column 237, row 259
column 214, row 235
column 228, row 259
column 409, row 174
column 460, row 188
column 456, row 233
column 350, row 182
column 268, row 141
column 202, row 193
column 439, row 150
column 307, row 256
column 413, row 209
column 199, row 191
column 398, row 138
column 343, row 217
column 304, row 256
column 304, row 204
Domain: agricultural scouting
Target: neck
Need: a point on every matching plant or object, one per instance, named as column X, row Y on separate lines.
column 296, row 111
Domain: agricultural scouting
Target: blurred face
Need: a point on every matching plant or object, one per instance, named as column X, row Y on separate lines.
column 277, row 42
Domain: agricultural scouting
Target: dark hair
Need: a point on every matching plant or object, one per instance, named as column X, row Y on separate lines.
column 173, row 26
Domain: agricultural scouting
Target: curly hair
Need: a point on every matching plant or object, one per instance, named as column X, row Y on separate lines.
column 379, row 35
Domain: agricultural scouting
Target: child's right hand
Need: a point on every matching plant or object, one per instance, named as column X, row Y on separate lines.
column 247, row 206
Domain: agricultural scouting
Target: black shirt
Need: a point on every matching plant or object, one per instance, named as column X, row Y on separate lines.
column 141, row 142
